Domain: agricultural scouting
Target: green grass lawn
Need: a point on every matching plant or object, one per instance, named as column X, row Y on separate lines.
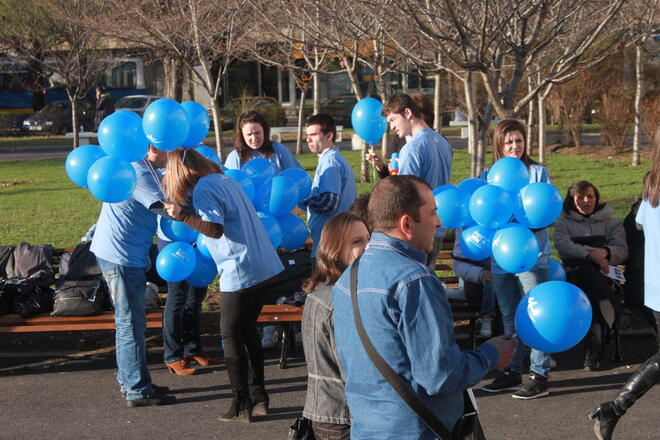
column 39, row 204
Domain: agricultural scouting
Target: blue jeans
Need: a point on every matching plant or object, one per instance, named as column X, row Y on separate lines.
column 509, row 289
column 127, row 286
column 181, row 321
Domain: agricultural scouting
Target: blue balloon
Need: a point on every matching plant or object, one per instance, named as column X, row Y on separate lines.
column 111, row 180
column 554, row 316
column 121, row 136
column 177, row 231
column 80, row 160
column 176, row 261
column 301, row 179
column 368, row 122
column 259, row 170
column 538, row 205
column 165, row 124
column 515, row 248
column 509, row 173
column 452, row 206
column 272, row 228
column 199, row 121
column 469, row 186
column 204, row 271
column 203, row 245
column 476, row 242
column 556, row 271
column 294, row 231
column 277, row 196
column 244, row 180
column 208, row 153
column 491, row 206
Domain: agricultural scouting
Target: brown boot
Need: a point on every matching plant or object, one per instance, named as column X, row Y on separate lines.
column 180, row 367
column 203, row 359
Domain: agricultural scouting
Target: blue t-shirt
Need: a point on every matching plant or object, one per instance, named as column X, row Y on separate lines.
column 649, row 218
column 124, row 231
column 281, row 159
column 244, row 254
column 333, row 174
column 537, row 173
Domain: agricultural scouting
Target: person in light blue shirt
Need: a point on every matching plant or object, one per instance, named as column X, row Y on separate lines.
column 333, row 188
column 509, row 141
column 426, row 155
column 408, row 319
column 121, row 242
column 252, row 140
column 246, row 259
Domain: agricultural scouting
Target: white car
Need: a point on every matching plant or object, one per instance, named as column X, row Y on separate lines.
column 135, row 103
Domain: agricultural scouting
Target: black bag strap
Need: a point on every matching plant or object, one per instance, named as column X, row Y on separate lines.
column 401, row 387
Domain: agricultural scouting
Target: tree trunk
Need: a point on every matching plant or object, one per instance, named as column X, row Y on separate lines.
column 316, row 82
column 542, row 140
column 437, row 104
column 472, row 122
column 301, row 106
column 217, row 124
column 74, row 120
column 639, row 84
column 173, row 78
column 530, row 121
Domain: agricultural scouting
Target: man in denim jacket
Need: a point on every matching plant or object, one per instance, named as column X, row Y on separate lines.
column 408, row 319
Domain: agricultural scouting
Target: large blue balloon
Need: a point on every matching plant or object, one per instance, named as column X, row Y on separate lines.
column 204, row 271
column 476, row 242
column 554, row 316
column 259, row 170
column 111, row 180
column 515, row 248
column 277, row 196
column 177, row 231
column 538, row 205
column 80, row 160
column 121, row 136
column 469, row 186
column 294, row 231
column 203, row 245
column 208, row 153
column 176, row 261
column 491, row 206
column 272, row 228
column 244, row 180
column 368, row 121
column 452, row 206
column 199, row 122
column 556, row 271
column 165, row 124
column 301, row 179
column 509, row 173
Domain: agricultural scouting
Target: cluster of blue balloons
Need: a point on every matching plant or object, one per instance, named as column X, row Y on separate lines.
column 368, row 121
column 124, row 137
column 485, row 209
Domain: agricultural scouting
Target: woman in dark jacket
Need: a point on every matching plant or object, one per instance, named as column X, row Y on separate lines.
column 589, row 240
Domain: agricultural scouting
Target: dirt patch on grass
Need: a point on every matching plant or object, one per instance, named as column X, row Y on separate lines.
column 598, row 151
column 13, row 182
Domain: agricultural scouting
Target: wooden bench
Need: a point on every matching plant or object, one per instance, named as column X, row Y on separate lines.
column 284, row 315
column 276, row 133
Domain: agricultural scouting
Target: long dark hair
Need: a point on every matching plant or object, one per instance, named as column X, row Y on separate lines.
column 243, row 149
column 577, row 188
column 503, row 128
column 651, row 191
column 184, row 168
column 334, row 238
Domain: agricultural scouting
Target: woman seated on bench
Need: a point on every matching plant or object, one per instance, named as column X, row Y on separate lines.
column 589, row 240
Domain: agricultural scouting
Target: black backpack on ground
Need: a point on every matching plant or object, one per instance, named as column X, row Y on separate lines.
column 81, row 289
column 29, row 274
column 297, row 267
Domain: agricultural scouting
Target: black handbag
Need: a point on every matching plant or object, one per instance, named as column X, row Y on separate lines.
column 468, row 426
column 301, row 430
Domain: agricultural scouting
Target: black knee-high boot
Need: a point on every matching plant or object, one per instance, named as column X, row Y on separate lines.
column 607, row 414
column 240, row 409
column 258, row 394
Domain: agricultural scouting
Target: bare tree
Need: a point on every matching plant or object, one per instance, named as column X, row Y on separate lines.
column 49, row 35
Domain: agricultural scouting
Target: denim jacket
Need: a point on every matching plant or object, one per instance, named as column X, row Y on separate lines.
column 406, row 315
column 325, row 401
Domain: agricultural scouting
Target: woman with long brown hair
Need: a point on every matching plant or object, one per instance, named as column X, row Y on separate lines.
column 607, row 414
column 245, row 258
column 343, row 239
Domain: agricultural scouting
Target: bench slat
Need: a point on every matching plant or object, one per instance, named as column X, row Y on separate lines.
column 47, row 323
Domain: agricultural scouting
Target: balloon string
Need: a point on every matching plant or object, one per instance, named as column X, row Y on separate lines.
column 154, row 175
column 373, row 166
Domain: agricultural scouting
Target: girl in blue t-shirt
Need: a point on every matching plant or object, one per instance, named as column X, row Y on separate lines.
column 252, row 140
column 245, row 258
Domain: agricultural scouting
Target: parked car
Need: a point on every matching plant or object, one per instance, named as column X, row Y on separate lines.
column 135, row 103
column 267, row 106
column 55, row 118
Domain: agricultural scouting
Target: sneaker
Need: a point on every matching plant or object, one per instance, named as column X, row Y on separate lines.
column 154, row 400
column 269, row 337
column 536, row 387
column 506, row 381
column 486, row 330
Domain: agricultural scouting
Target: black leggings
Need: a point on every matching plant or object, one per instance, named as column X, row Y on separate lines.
column 238, row 322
